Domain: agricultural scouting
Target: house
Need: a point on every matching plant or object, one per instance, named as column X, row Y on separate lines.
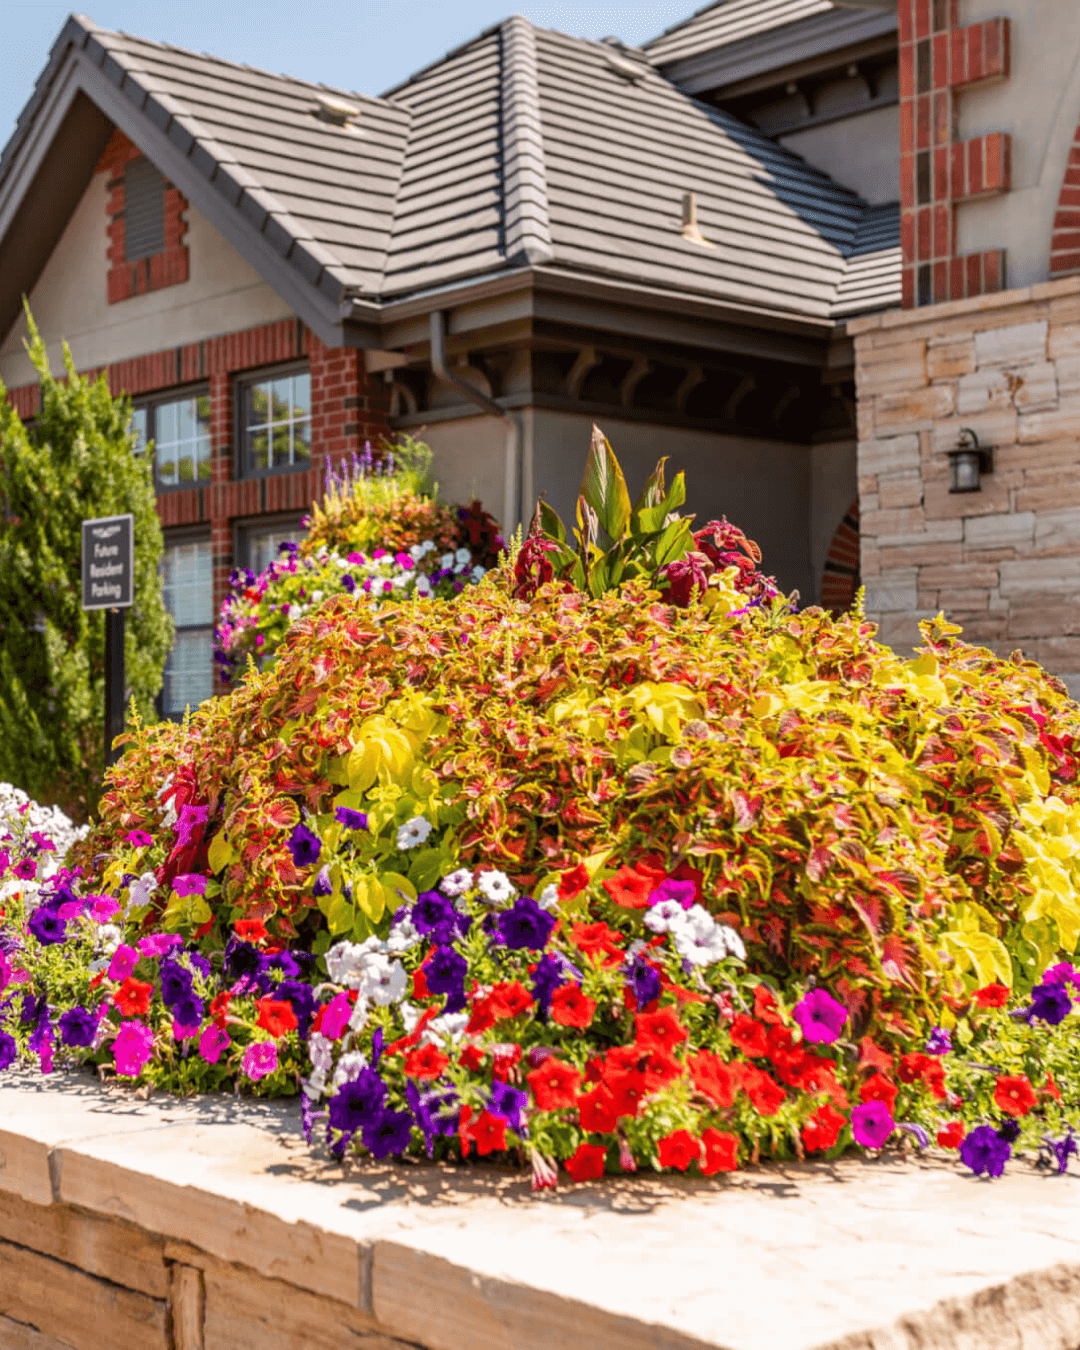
column 531, row 233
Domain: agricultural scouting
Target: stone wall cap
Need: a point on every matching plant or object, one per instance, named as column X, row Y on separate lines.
column 976, row 304
column 797, row 1257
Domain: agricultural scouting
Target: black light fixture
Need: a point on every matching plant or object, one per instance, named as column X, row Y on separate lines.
column 968, row 462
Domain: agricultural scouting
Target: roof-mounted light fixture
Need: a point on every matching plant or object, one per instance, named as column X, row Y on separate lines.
column 337, row 112
column 629, row 70
column 690, row 231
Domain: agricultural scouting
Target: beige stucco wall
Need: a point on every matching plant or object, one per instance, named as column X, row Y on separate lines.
column 833, row 488
column 862, row 152
column 764, row 487
column 1039, row 104
column 1003, row 562
column 224, row 294
column 470, row 459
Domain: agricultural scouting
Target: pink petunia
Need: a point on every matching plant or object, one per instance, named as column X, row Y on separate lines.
column 336, row 1017
column 124, row 960
column 190, row 883
column 132, row 1048
column 103, row 908
column 260, row 1060
column 212, row 1042
column 159, row 943
column 139, row 838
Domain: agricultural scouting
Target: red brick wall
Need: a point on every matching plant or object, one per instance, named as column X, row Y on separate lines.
column 349, row 407
column 170, row 267
column 840, row 578
column 1065, row 245
column 938, row 60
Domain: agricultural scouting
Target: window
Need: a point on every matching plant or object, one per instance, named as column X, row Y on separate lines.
column 275, row 423
column 258, row 542
column 144, row 210
column 180, row 430
column 187, row 575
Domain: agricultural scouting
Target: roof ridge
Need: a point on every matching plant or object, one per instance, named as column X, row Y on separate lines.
column 526, row 229
column 674, row 27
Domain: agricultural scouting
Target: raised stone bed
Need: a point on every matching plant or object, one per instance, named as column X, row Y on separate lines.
column 207, row 1225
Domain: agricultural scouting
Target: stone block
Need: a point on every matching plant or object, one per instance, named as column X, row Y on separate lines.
column 1044, row 620
column 1044, row 575
column 1051, row 456
column 988, row 627
column 869, row 502
column 962, row 601
column 1016, row 344
column 901, row 630
column 1062, row 421
column 947, row 358
column 1058, row 531
column 899, row 489
column 868, row 483
column 993, row 498
column 1035, row 387
column 1047, row 496
column 1058, row 653
column 892, row 454
column 914, row 409
column 892, row 591
column 1064, row 341
column 965, row 576
column 984, row 391
column 66, row 1303
column 898, row 368
column 1068, row 375
column 931, row 532
column 999, row 530
column 901, row 520
column 938, row 556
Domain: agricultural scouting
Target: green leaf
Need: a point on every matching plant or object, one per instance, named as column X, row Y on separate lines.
column 604, row 488
column 426, row 868
column 652, row 494
column 551, row 522
column 675, row 542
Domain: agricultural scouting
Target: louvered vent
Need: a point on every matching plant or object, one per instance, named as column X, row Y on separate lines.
column 144, row 210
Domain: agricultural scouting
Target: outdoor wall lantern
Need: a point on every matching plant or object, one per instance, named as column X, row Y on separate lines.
column 969, row 461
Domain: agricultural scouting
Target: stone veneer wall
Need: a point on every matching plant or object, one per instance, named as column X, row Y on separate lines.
column 1004, row 562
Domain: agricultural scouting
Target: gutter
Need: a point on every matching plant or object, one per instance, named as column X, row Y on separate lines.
column 513, row 430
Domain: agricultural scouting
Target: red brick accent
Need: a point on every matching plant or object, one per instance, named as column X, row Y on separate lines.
column 171, row 266
column 1065, row 241
column 348, row 406
column 938, row 59
column 840, row 577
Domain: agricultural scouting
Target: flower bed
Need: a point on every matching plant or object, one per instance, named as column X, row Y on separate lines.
column 593, row 873
column 376, row 534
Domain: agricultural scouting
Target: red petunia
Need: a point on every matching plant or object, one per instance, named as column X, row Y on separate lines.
column 481, row 1017
column 251, row 930
column 571, row 1008
column 594, row 939
column 587, row 1164
column 765, row 1093
column 419, row 984
column 721, row 1152
column 952, row 1136
column 554, row 1084
column 276, row 1016
column 133, row 997
column 627, row 1090
column 992, row 995
column 573, row 882
column 503, row 1059
column 713, row 1077
column 630, row 888
column 660, row 1030
column 658, row 1070
column 1014, row 1094
column 877, row 1088
column 766, row 1008
column 488, row 1133
column 219, row 1008
column 748, row 1036
column 910, row 1068
column 872, row 1056
column 823, row 1128
column 509, row 1000
column 1051, row 1089
column 427, row 1061
column 472, row 1058
column 596, row 1110
column 678, row 1149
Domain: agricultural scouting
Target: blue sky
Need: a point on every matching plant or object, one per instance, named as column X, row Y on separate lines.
column 366, row 45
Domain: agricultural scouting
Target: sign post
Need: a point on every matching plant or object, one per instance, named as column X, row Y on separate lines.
column 108, row 583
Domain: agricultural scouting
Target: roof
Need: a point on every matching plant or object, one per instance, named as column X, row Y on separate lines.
column 523, row 148
column 871, row 277
column 730, row 41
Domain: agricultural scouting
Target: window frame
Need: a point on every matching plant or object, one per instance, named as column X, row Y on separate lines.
column 189, row 534
column 242, row 385
column 245, row 527
column 149, row 403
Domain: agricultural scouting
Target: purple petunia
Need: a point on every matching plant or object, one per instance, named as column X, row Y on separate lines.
column 985, row 1152
column 132, row 1048
column 47, row 926
column 1061, row 1149
column 352, row 820
column 508, row 1102
column 1050, row 1003
column 358, row 1102
column 78, row 1028
column 644, row 981
column 390, row 1133
column 546, row 978
column 445, row 974
column 871, row 1124
column 525, row 925
column 176, row 983
column 305, row 846
column 821, row 1017
column 323, row 886
column 260, row 1060
column 433, row 911
column 8, row 1050
column 939, row 1042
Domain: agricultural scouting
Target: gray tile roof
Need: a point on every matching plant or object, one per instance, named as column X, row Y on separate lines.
column 871, row 277
column 521, row 147
column 727, row 21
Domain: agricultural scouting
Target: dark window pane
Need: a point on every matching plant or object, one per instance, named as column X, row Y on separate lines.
column 144, row 210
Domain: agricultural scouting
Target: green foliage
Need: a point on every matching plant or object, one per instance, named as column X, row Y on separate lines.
column 74, row 463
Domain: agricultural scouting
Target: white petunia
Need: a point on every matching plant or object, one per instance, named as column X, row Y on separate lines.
column 423, row 585
column 343, row 963
column 348, row 1067
column 416, row 552
column 294, row 612
column 699, row 939
column 478, row 573
column 321, row 1052
column 548, row 897
column 495, row 887
column 734, row 942
column 450, row 1026
column 665, row 917
column 316, row 597
column 139, row 892
column 463, row 556
column 403, row 936
column 413, row 833
column 457, row 883
column 447, row 560
column 384, row 981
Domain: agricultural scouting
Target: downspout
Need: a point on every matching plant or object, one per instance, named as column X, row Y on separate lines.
column 513, row 434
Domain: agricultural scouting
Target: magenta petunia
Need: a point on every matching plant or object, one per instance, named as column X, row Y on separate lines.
column 189, row 824
column 103, row 908
column 139, row 838
column 124, row 960
column 821, row 1017
column 212, row 1042
column 157, row 944
column 871, row 1124
column 132, row 1048
column 260, row 1059
column 190, row 883
column 336, row 1017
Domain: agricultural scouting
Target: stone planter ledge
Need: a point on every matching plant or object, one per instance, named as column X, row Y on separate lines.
column 208, row 1225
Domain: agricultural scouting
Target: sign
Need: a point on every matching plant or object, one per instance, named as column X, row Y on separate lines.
column 108, row 562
